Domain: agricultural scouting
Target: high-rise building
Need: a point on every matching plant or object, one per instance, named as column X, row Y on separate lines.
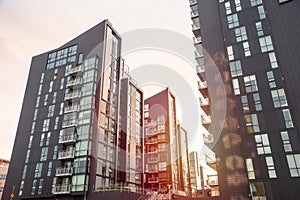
column 183, row 161
column 195, row 176
column 161, row 150
column 3, row 172
column 69, row 138
column 254, row 46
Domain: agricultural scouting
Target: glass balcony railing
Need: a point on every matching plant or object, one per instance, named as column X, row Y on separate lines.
column 66, row 154
column 73, row 95
column 74, row 82
column 70, row 138
column 74, row 70
column 62, row 189
column 192, row 2
column 69, row 109
column 68, row 123
column 64, row 171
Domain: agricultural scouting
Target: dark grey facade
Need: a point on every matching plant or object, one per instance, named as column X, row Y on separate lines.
column 254, row 45
column 67, row 141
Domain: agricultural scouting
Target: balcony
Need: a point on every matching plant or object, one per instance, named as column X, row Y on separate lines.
column 202, row 86
column 210, row 160
column 153, row 180
column 204, row 103
column 152, row 160
column 151, row 141
column 74, row 83
column 63, row 155
column 64, row 171
column 69, row 123
column 212, row 180
column 196, row 30
column 206, row 121
column 201, row 70
column 152, row 151
column 151, row 124
column 208, row 138
column 62, row 189
column 70, row 109
column 194, row 13
column 67, row 139
column 197, row 40
column 73, row 96
column 75, row 70
column 192, row 2
column 153, row 170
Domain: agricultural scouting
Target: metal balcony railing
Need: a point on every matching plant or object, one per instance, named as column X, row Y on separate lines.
column 68, row 123
column 64, row 171
column 202, row 84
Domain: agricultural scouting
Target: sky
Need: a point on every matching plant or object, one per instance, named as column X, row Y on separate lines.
column 32, row 27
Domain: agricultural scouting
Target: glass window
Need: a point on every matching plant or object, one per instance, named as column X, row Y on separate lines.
column 38, row 170
column 294, row 164
column 51, row 110
column 27, row 156
column 286, row 141
column 46, row 100
column 273, row 60
column 40, row 189
column 245, row 104
column 236, row 68
column 259, row 29
column 55, row 152
column 42, row 77
column 247, row 51
column 62, row 81
column 279, row 98
column 46, row 125
column 252, row 124
column 21, row 188
column 261, row 12
column 44, row 154
column 56, row 123
column 61, row 108
column 230, row 53
column 30, row 141
column 287, row 118
column 238, row 6
column 37, row 101
column 250, row 169
column 54, row 97
column 271, row 79
column 255, row 2
column 257, row 102
column 271, row 167
column 33, row 187
column 262, row 144
column 236, row 87
column 80, row 58
column 250, row 83
column 55, row 74
column 50, row 86
column 49, row 169
column 40, row 89
column 227, row 8
column 24, row 172
column 266, row 44
column 240, row 34
column 233, row 21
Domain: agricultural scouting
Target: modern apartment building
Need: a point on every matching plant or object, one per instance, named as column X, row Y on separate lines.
column 3, row 172
column 254, row 46
column 195, row 176
column 161, row 150
column 69, row 141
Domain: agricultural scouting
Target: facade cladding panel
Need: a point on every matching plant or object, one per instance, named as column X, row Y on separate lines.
column 258, row 150
column 69, row 123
